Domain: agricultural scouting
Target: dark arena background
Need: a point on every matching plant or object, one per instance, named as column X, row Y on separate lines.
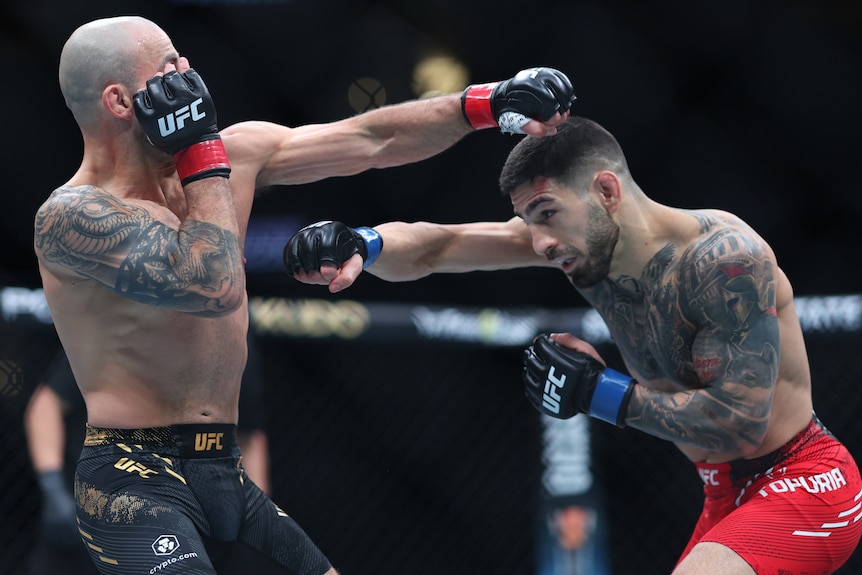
column 400, row 438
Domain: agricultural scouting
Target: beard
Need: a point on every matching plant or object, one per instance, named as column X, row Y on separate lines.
column 602, row 237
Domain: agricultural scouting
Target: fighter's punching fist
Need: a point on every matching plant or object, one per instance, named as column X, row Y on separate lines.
column 562, row 382
column 535, row 93
column 178, row 115
column 329, row 242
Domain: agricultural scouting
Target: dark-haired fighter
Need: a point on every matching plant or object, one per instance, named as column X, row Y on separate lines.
column 704, row 319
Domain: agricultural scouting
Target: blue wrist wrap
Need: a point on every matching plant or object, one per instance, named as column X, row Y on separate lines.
column 611, row 397
column 373, row 242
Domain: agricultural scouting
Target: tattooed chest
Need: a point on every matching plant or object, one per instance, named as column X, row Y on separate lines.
column 652, row 341
column 650, row 331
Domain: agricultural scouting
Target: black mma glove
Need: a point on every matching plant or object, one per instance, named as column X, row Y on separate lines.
column 533, row 94
column 58, row 518
column 561, row 382
column 329, row 242
column 178, row 115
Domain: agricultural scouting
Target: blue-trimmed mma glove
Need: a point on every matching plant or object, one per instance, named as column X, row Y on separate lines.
column 532, row 94
column 332, row 243
column 561, row 382
column 178, row 115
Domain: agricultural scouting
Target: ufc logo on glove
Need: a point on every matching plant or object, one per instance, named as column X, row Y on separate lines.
column 592, row 388
column 551, row 399
column 177, row 120
column 164, row 109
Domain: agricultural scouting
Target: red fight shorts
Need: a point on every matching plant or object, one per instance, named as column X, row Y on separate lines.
column 795, row 511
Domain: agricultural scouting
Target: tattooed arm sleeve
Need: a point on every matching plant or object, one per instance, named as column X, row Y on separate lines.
column 88, row 232
column 727, row 289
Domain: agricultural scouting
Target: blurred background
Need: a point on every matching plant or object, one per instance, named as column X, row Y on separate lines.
column 430, row 459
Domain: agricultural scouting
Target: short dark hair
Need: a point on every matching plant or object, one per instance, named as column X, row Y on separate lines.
column 579, row 149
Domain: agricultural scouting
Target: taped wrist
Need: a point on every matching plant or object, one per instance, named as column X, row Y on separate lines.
column 204, row 159
column 611, row 397
column 476, row 106
column 373, row 242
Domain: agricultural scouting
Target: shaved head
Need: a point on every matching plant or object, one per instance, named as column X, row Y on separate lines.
column 104, row 52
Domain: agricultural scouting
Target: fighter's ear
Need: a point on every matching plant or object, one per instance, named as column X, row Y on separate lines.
column 607, row 185
column 117, row 100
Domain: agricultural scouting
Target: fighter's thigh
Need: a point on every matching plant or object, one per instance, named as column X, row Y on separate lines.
column 794, row 522
column 272, row 543
column 713, row 559
column 139, row 535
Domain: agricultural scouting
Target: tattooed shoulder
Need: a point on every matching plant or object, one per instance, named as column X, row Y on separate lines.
column 728, row 265
column 709, row 220
column 76, row 224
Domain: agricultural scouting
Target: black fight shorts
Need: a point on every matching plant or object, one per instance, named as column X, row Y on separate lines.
column 173, row 500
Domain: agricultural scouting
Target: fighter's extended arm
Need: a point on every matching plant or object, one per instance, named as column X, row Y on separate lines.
column 533, row 102
column 407, row 251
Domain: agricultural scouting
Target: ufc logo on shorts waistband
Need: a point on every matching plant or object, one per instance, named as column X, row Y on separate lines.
column 709, row 476
column 177, row 120
column 208, row 441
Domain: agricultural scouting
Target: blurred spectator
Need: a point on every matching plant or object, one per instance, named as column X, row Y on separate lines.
column 571, row 535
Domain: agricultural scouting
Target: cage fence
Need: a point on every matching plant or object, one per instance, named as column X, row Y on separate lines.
column 401, row 441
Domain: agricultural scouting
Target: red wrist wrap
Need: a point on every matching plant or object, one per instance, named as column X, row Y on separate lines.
column 198, row 160
column 476, row 105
